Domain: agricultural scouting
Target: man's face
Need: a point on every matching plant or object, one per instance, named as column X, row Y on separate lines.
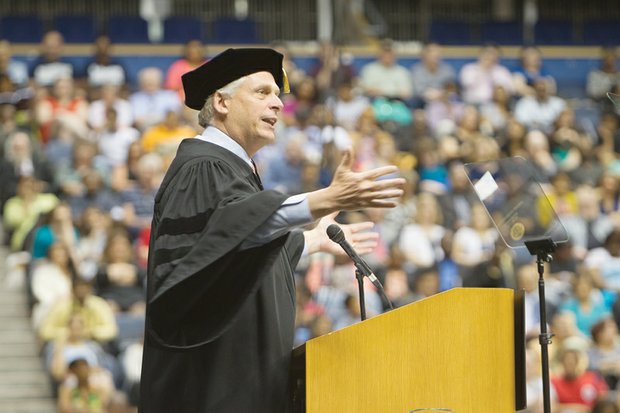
column 253, row 111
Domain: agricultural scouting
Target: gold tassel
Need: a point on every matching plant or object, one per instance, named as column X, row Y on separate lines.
column 286, row 88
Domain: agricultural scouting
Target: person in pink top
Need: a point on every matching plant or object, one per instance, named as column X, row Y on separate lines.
column 193, row 56
column 478, row 79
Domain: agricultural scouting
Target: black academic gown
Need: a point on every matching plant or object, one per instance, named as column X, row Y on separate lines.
column 220, row 318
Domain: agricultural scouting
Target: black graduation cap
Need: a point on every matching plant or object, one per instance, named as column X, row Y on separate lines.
column 228, row 66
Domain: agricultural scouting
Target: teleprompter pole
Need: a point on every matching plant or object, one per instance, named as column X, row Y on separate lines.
column 543, row 248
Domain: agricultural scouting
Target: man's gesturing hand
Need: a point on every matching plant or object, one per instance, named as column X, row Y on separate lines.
column 356, row 190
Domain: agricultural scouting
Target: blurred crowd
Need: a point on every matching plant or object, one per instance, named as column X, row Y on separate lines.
column 82, row 153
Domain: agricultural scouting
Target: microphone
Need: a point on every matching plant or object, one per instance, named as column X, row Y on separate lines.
column 334, row 232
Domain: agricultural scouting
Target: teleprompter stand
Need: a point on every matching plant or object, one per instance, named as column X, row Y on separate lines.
column 524, row 218
column 542, row 249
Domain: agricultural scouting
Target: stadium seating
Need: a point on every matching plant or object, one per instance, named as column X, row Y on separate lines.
column 128, row 29
column 232, row 30
column 21, row 29
column 554, row 32
column 502, row 32
column 181, row 29
column 76, row 29
column 601, row 32
column 450, row 32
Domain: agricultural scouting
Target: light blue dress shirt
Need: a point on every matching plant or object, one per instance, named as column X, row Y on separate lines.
column 294, row 211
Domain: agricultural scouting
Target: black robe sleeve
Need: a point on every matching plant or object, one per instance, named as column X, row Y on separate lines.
column 198, row 275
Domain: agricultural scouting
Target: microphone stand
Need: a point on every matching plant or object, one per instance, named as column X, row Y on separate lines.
column 360, row 285
column 543, row 248
column 334, row 232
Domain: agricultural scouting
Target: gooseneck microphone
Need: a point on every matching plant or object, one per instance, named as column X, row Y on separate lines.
column 335, row 233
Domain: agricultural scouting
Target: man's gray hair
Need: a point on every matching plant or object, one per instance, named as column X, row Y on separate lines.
column 205, row 116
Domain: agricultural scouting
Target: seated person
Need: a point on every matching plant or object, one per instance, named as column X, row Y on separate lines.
column 86, row 390
column 119, row 279
column 99, row 322
column 72, row 344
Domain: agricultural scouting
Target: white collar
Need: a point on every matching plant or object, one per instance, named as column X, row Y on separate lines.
column 214, row 135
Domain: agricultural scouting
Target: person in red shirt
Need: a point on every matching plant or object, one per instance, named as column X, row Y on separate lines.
column 577, row 389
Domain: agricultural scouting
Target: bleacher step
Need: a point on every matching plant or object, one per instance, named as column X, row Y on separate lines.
column 12, row 298
column 20, row 363
column 21, row 377
column 42, row 405
column 15, row 324
column 19, row 336
column 18, row 349
column 14, row 311
column 26, row 391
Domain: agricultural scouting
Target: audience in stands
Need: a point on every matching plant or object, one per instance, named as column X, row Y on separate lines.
column 57, row 226
column 333, row 69
column 103, row 68
column 430, row 75
column 85, row 159
column 530, row 69
column 587, row 303
column 16, row 70
column 194, row 54
column 109, row 99
column 51, row 280
column 347, row 105
column 478, row 79
column 604, row 353
column 540, row 110
column 497, row 113
column 385, row 77
column 22, row 158
column 63, row 101
column 79, row 172
column 21, row 212
column 52, row 64
column 165, row 136
column 114, row 139
column 577, row 389
column 87, row 389
column 138, row 199
column 99, row 322
column 151, row 102
column 605, row 78
column 119, row 279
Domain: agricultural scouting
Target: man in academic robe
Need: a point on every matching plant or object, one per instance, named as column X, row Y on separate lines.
column 221, row 293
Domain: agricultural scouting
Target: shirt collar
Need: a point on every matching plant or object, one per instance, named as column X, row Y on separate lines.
column 214, row 135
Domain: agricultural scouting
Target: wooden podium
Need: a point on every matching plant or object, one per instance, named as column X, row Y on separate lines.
column 462, row 350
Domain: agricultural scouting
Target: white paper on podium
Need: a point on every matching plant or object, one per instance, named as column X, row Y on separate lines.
column 486, row 186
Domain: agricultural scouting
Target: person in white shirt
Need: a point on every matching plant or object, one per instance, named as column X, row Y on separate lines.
column 541, row 110
column 97, row 117
column 113, row 139
column 385, row 77
column 151, row 102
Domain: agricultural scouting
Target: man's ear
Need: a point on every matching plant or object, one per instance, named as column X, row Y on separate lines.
column 220, row 103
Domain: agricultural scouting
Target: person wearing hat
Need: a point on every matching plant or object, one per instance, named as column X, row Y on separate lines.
column 220, row 286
